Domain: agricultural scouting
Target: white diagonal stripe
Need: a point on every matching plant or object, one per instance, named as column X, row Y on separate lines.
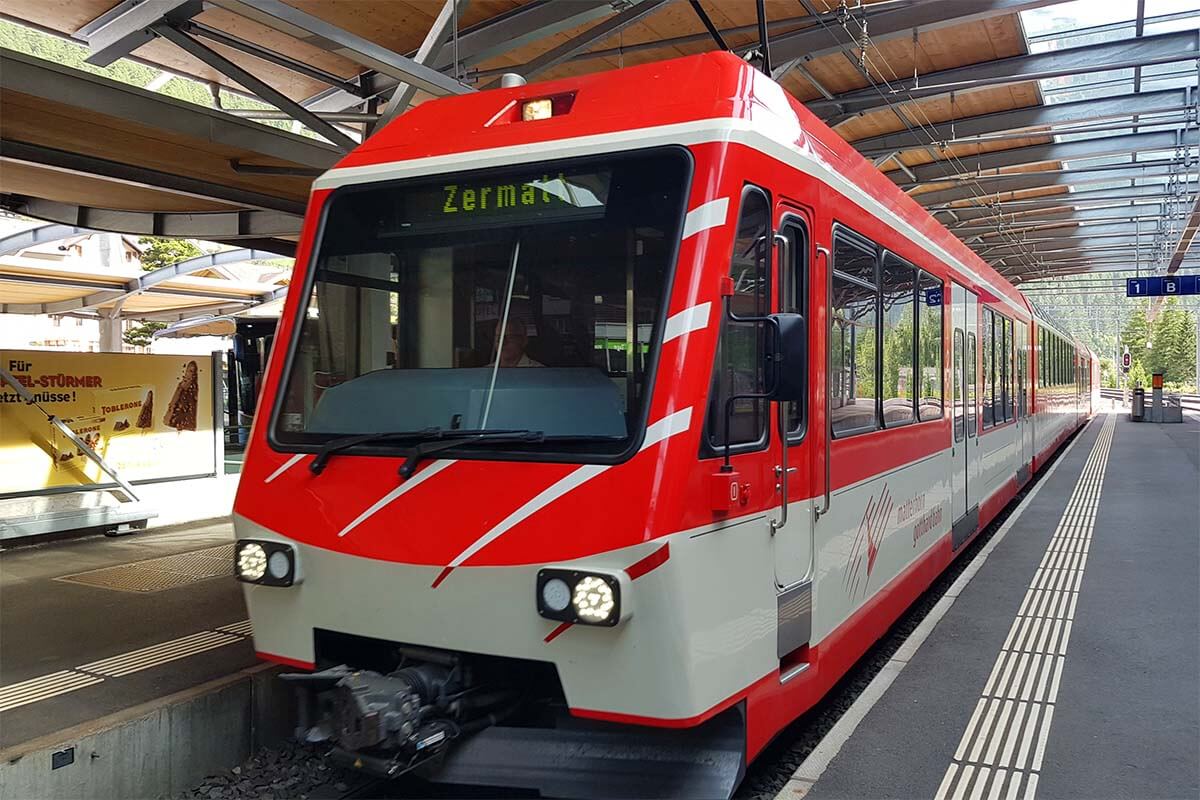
column 705, row 216
column 291, row 462
column 664, row 428
column 411, row 483
column 1037, row 643
column 686, row 321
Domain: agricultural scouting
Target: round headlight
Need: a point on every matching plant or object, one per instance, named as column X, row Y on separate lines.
column 556, row 594
column 593, row 599
column 252, row 561
column 279, row 565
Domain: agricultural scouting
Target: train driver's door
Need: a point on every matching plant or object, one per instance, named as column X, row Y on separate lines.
column 792, row 529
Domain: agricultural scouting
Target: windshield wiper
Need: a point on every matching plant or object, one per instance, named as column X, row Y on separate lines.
column 449, row 439
column 432, row 435
column 335, row 446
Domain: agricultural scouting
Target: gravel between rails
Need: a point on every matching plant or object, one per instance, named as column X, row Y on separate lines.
column 778, row 762
column 295, row 771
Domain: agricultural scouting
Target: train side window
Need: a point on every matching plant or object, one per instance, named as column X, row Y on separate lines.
column 741, row 349
column 957, row 384
column 988, row 369
column 854, row 307
column 972, row 384
column 930, row 311
column 898, row 284
column 1010, row 352
column 1041, row 358
column 1003, row 355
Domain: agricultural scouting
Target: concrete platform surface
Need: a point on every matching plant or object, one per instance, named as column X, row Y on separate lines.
column 1068, row 666
column 92, row 626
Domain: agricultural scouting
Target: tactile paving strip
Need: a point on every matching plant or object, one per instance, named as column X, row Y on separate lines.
column 158, row 574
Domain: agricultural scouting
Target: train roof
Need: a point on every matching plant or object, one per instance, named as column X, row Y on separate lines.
column 607, row 107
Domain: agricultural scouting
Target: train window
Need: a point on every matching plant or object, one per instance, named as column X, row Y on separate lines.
column 957, row 384
column 1041, row 358
column 795, row 298
column 1004, row 354
column 740, row 352
column 898, row 284
column 929, row 347
column 972, row 385
column 988, row 369
column 429, row 312
column 855, row 324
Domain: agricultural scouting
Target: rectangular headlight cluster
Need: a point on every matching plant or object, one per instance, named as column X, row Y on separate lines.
column 588, row 598
column 264, row 562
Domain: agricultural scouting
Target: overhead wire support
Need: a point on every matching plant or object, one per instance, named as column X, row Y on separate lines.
column 708, row 24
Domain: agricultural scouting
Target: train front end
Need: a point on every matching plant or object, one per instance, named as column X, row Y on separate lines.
column 464, row 515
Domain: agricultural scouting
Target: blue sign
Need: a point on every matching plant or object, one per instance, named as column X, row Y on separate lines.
column 1163, row 286
column 933, row 297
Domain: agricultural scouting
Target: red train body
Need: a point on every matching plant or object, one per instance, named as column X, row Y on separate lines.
column 617, row 247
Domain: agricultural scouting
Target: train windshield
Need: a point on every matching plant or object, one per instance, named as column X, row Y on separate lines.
column 524, row 298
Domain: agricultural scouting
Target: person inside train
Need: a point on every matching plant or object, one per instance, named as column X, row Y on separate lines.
column 513, row 348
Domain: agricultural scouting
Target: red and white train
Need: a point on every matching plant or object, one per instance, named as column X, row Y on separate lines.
column 611, row 420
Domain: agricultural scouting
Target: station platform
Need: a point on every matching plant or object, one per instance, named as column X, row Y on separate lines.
column 94, row 626
column 1065, row 664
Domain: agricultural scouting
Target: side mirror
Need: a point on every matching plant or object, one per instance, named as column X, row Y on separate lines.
column 787, row 368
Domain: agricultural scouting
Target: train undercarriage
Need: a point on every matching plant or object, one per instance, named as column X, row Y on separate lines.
column 457, row 718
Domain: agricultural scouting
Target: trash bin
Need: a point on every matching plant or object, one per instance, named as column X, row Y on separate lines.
column 1139, row 405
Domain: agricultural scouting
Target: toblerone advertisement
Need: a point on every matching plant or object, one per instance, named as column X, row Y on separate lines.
column 148, row 416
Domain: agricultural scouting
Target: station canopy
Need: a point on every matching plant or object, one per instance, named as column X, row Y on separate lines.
column 1053, row 138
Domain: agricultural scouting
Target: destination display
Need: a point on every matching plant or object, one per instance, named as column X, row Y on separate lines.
column 516, row 200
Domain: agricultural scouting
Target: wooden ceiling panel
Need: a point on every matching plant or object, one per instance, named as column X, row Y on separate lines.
column 32, row 180
column 934, row 110
column 49, row 124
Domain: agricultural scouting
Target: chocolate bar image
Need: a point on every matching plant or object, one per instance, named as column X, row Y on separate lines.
column 181, row 411
column 145, row 418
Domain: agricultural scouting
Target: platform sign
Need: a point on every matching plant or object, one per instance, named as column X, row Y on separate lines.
column 149, row 416
column 1162, row 286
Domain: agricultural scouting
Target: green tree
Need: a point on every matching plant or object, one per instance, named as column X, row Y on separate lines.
column 142, row 334
column 162, row 252
column 1174, row 338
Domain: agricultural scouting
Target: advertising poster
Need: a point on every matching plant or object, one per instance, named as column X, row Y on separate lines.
column 148, row 416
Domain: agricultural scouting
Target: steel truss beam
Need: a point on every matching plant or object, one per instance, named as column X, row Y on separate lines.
column 402, row 96
column 215, row 310
column 316, row 31
column 128, row 26
column 271, row 56
column 43, row 234
column 78, row 164
column 259, row 227
column 821, row 40
column 91, row 94
column 599, row 32
column 986, row 208
column 1052, row 220
column 259, row 87
column 1054, row 151
column 1149, row 50
column 1021, row 119
column 148, row 282
column 1024, row 181
column 1063, row 245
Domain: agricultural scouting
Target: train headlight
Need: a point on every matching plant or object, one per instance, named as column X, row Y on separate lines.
column 594, row 599
column 265, row 562
column 251, row 562
column 582, row 596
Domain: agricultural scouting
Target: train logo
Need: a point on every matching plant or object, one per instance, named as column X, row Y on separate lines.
column 866, row 542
